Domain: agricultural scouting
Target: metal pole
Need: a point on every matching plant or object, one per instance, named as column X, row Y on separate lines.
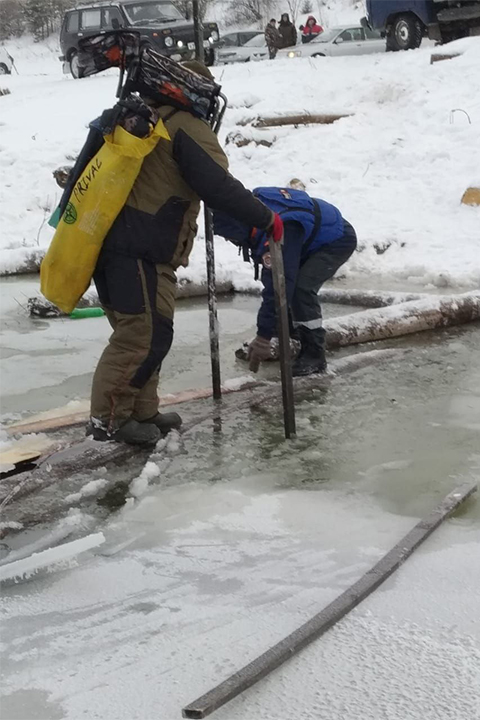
column 283, row 338
column 314, row 628
column 198, row 31
column 212, row 306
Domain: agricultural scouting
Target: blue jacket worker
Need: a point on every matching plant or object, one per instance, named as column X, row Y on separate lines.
column 317, row 241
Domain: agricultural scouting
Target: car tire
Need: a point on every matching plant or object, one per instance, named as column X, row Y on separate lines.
column 73, row 62
column 405, row 33
column 318, row 55
column 4, row 69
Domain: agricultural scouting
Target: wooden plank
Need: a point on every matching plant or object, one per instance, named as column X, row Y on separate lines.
column 329, row 616
column 23, row 452
column 56, row 420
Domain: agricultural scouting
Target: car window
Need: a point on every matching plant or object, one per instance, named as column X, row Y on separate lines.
column 372, row 34
column 326, row 36
column 245, row 37
column 352, row 35
column 90, row 19
column 73, row 22
column 108, row 14
column 257, row 41
column 150, row 12
column 229, row 40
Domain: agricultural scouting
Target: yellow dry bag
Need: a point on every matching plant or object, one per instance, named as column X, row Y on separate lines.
column 97, row 198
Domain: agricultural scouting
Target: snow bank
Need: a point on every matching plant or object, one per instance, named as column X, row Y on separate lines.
column 397, row 167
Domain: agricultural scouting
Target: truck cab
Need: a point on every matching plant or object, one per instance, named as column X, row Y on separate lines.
column 159, row 22
column 406, row 22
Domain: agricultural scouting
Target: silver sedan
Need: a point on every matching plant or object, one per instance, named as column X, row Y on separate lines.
column 254, row 49
column 345, row 40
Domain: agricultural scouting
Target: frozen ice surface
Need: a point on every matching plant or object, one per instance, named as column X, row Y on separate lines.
column 222, row 573
column 246, row 537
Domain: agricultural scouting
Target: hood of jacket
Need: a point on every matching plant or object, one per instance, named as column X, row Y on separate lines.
column 313, row 28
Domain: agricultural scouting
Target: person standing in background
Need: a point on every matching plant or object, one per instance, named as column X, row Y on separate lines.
column 287, row 31
column 272, row 38
column 311, row 30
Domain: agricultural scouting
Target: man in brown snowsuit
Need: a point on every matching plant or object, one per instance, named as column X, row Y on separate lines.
column 135, row 274
column 272, row 38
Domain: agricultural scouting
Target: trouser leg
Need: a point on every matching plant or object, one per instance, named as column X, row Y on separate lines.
column 315, row 271
column 139, row 300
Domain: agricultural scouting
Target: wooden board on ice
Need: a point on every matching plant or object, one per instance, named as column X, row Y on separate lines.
column 67, row 417
column 23, row 452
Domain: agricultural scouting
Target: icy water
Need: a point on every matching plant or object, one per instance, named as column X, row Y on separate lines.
column 403, row 431
column 243, row 536
column 47, row 363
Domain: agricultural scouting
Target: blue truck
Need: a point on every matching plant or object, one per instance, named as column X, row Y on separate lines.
column 406, row 22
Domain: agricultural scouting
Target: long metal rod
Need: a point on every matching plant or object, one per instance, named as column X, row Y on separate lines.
column 283, row 338
column 326, row 618
column 212, row 306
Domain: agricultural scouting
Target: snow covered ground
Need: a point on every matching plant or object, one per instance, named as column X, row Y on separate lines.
column 397, row 167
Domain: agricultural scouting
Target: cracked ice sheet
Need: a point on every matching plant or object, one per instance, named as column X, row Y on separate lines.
column 220, row 574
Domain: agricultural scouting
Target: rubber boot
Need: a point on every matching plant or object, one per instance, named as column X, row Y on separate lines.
column 308, row 364
column 131, row 433
column 311, row 359
column 165, row 422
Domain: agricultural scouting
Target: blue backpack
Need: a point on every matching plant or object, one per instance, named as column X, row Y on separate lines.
column 322, row 222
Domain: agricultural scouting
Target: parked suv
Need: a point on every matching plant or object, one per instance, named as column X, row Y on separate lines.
column 159, row 22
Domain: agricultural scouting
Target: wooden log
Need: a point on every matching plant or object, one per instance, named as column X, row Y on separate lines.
column 303, row 119
column 438, row 57
column 318, row 625
column 367, row 298
column 403, row 319
column 236, row 138
column 38, row 306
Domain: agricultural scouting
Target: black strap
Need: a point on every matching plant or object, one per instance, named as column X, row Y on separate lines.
column 316, row 226
column 169, row 115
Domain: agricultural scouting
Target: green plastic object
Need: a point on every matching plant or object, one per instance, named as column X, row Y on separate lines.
column 55, row 218
column 87, row 312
